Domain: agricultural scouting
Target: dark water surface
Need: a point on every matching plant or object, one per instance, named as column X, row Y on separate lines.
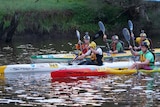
column 38, row 89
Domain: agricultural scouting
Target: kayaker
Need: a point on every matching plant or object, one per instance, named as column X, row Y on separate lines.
column 115, row 44
column 95, row 53
column 84, row 45
column 147, row 58
column 142, row 38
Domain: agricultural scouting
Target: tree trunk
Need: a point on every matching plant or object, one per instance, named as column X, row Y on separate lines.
column 1, row 29
column 12, row 27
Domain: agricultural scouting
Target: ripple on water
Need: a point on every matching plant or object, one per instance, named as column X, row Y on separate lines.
column 123, row 85
column 148, row 79
column 119, row 90
column 137, row 88
column 149, row 91
column 7, row 101
column 53, row 100
column 35, row 98
column 19, row 91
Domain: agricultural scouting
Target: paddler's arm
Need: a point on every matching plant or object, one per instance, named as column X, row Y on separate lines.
column 133, row 52
column 81, row 56
column 146, row 62
column 94, row 51
column 113, row 52
column 106, row 40
column 84, row 55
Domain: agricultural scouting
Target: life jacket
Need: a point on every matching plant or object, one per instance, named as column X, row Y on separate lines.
column 143, row 58
column 113, row 45
column 93, row 57
column 97, row 58
column 83, row 46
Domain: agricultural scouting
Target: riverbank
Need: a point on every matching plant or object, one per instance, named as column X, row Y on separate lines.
column 56, row 17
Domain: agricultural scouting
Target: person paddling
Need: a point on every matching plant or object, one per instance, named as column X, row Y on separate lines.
column 115, row 44
column 142, row 38
column 95, row 53
column 147, row 58
column 84, row 45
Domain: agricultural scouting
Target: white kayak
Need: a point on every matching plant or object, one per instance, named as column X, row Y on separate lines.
column 48, row 67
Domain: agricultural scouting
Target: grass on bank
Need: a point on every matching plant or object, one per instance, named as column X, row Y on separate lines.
column 64, row 14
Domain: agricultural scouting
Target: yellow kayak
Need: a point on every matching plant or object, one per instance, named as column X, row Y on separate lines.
column 66, row 57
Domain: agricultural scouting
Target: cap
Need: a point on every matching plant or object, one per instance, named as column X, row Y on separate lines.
column 143, row 35
column 86, row 36
column 115, row 37
column 146, row 44
column 92, row 45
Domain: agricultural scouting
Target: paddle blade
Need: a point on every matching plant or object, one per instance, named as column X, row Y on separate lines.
column 126, row 34
column 78, row 34
column 97, row 35
column 101, row 26
column 130, row 24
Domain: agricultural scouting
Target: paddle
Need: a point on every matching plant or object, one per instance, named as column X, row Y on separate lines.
column 130, row 24
column 79, row 38
column 126, row 35
column 100, row 32
column 102, row 28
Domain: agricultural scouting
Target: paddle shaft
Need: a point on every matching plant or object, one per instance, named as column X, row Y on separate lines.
column 102, row 28
column 130, row 24
column 78, row 36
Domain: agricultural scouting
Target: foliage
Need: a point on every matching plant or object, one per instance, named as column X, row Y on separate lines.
column 68, row 15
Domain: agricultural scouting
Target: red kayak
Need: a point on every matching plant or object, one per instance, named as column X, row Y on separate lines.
column 76, row 72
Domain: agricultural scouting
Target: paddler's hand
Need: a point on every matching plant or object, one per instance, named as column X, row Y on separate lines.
column 104, row 37
column 132, row 35
column 79, row 42
column 130, row 47
column 111, row 52
column 81, row 56
column 135, row 48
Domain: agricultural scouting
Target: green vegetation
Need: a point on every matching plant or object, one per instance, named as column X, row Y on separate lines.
column 62, row 15
column 45, row 16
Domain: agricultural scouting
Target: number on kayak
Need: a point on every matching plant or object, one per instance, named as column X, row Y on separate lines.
column 53, row 65
column 101, row 69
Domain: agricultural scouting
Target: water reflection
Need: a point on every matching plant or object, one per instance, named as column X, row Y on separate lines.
column 38, row 89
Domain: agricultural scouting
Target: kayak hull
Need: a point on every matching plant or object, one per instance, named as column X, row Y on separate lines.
column 23, row 68
column 100, row 71
column 77, row 73
column 50, row 58
column 49, row 67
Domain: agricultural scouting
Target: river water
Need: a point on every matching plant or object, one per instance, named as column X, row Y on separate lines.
column 38, row 89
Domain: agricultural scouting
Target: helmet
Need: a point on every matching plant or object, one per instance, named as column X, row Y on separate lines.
column 92, row 45
column 145, row 43
column 138, row 40
column 143, row 35
column 86, row 36
column 115, row 37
